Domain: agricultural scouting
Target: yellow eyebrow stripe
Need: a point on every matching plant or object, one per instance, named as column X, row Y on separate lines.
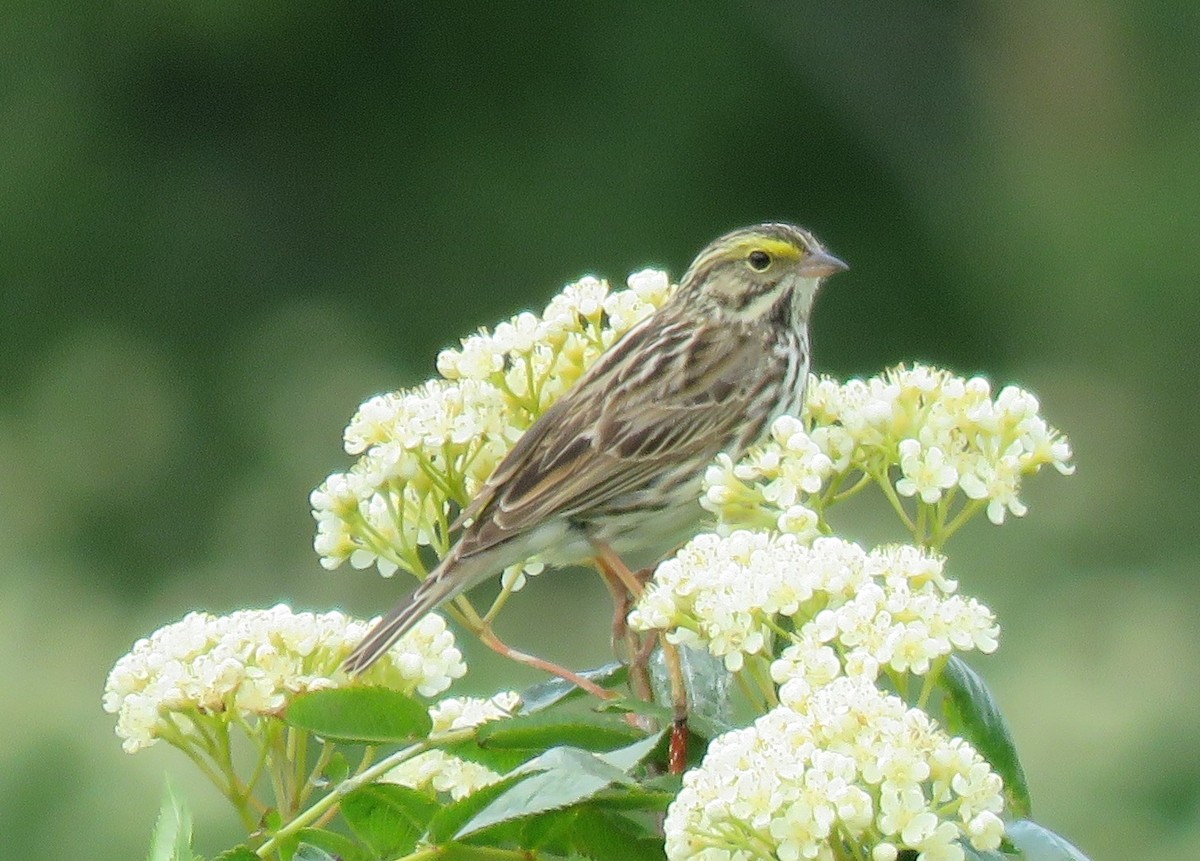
column 775, row 247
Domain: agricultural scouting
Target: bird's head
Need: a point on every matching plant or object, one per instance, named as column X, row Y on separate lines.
column 746, row 274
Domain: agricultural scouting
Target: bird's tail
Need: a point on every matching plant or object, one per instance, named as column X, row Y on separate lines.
column 441, row 585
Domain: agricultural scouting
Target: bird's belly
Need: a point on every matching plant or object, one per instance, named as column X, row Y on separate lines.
column 640, row 534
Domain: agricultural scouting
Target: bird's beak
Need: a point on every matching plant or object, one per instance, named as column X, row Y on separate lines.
column 821, row 264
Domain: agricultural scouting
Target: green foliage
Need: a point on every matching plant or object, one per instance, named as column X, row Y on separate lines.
column 559, row 778
column 308, row 852
column 540, row 731
column 1036, row 843
column 588, row 799
column 973, row 713
column 240, row 853
column 389, row 818
column 172, row 838
column 553, row 691
column 339, row 846
column 360, row 715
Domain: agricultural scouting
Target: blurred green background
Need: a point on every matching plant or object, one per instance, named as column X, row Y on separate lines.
column 223, row 226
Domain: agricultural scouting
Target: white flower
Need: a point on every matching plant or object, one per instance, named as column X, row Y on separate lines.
column 925, row 429
column 845, row 763
column 850, row 611
column 251, row 663
column 445, row 772
column 996, row 481
column 470, row 712
column 985, row 831
column 769, row 485
column 926, row 473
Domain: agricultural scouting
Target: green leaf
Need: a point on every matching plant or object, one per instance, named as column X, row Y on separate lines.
column 339, row 846
column 559, row 778
column 389, row 818
column 585, row 830
column 172, row 838
column 308, row 852
column 627, row 758
column 499, row 760
column 466, row 852
column 238, row 853
column 337, row 769
column 592, row 833
column 447, row 821
column 1040, row 844
column 366, row 715
column 545, row 694
column 661, row 714
column 972, row 712
column 636, row 797
column 587, row 730
column 606, row 836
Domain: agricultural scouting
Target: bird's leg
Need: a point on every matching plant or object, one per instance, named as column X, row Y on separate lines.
column 482, row 628
column 677, row 753
column 488, row 637
column 635, row 652
column 624, row 585
column 611, row 565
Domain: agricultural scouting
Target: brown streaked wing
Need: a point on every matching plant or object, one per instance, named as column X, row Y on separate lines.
column 533, row 444
column 598, row 443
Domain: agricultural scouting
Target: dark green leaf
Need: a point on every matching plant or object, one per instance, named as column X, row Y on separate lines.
column 466, row 852
column 605, row 836
column 338, row 845
column 447, row 821
column 172, row 837
column 586, row 831
column 972, row 712
column 547, row 833
column 367, row 715
column 1040, row 844
column 389, row 818
column 660, row 714
column 560, row 777
column 582, row 830
column 545, row 694
column 499, row 760
column 635, row 797
column 586, row 730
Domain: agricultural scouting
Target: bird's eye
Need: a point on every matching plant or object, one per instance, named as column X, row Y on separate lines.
column 759, row 260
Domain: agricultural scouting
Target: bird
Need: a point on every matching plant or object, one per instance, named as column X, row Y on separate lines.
column 614, row 466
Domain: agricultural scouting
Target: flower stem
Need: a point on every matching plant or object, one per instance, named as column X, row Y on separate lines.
column 889, row 491
column 968, row 511
column 328, row 802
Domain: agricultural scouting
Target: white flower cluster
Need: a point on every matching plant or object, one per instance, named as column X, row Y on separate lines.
column 842, row 772
column 252, row 662
column 925, row 430
column 533, row 360
column 767, row 488
column 444, row 772
column 842, row 609
column 426, row 451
